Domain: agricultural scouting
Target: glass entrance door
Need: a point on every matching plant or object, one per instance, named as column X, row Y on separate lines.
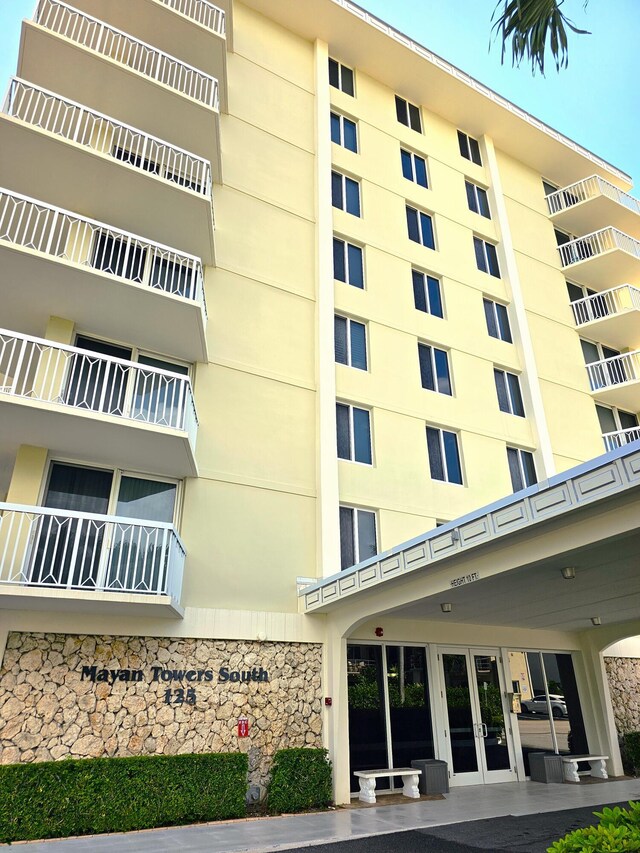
column 480, row 747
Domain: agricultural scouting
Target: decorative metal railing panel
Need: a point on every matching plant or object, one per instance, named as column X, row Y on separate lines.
column 61, row 549
column 38, row 369
column 589, row 188
column 87, row 127
column 583, row 248
column 614, row 371
column 621, row 437
column 202, row 12
column 127, row 50
column 45, row 228
column 606, row 303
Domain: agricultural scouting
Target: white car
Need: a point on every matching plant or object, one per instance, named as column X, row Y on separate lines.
column 538, row 705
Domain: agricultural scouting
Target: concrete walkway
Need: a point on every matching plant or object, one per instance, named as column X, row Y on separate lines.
column 261, row 835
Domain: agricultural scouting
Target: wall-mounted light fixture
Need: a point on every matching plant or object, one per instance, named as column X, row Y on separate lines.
column 568, row 573
column 446, row 606
column 596, row 620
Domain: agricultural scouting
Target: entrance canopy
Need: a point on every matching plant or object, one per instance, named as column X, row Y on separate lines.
column 502, row 564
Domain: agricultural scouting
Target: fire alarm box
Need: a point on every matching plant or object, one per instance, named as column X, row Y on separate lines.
column 243, row 727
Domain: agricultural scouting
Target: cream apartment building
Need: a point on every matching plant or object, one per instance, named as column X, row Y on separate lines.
column 285, row 293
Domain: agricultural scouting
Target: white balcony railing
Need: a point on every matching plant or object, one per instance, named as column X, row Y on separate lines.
column 127, row 50
column 605, row 304
column 45, row 228
column 583, row 248
column 614, row 371
column 202, row 12
column 586, row 189
column 38, row 369
column 612, row 440
column 85, row 126
column 62, row 549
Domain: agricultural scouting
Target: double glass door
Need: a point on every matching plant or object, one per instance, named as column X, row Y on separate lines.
column 476, row 719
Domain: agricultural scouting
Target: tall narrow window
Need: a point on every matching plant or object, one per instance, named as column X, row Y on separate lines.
column 434, row 369
column 477, row 199
column 345, row 193
column 486, row 257
column 347, row 263
column 420, row 227
column 508, row 390
column 414, row 168
column 469, row 148
column 521, row 468
column 497, row 320
column 354, row 433
column 341, row 77
column 408, row 114
column 426, row 293
column 357, row 536
column 350, row 342
column 444, row 456
column 343, row 132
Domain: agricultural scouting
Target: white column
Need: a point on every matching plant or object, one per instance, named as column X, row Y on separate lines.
column 336, row 720
column 531, row 385
column 327, row 514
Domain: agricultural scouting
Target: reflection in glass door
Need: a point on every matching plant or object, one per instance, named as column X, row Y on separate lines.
column 478, row 730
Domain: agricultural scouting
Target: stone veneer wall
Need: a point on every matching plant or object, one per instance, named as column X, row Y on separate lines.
column 624, row 685
column 48, row 711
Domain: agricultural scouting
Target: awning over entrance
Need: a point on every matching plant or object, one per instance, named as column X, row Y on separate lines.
column 502, row 564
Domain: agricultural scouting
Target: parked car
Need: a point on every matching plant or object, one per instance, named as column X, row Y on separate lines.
column 538, row 705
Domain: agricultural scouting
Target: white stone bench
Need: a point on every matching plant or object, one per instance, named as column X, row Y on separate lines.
column 596, row 765
column 368, row 782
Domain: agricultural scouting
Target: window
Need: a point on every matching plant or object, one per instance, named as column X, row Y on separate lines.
column 343, row 132
column 521, row 468
column 486, row 257
column 350, row 342
column 469, row 148
column 341, row 77
column 444, row 456
column 434, row 369
column 345, row 193
column 420, row 227
column 354, row 433
column 357, row 536
column 408, row 114
column 477, row 199
column 613, row 422
column 414, row 168
column 347, row 263
column 426, row 293
column 497, row 320
column 587, row 304
column 603, row 365
column 509, row 396
column 548, row 187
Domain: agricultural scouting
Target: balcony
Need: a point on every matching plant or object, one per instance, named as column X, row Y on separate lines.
column 592, row 202
column 105, row 168
column 616, row 381
column 612, row 440
column 191, row 30
column 59, row 559
column 90, row 62
column 108, row 281
column 611, row 317
column 604, row 257
column 102, row 409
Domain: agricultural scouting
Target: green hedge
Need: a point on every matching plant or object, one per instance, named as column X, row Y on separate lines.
column 300, row 780
column 617, row 832
column 631, row 752
column 76, row 797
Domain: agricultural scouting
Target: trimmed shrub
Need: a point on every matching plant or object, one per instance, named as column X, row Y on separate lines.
column 631, row 752
column 617, row 832
column 55, row 799
column 300, row 780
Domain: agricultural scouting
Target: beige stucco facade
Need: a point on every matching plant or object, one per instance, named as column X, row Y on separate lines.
column 257, row 484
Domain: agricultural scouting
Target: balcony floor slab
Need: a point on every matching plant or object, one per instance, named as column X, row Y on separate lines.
column 620, row 331
column 624, row 396
column 605, row 270
column 597, row 212
column 72, row 601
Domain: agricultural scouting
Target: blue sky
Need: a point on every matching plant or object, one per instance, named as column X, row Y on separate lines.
column 595, row 101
